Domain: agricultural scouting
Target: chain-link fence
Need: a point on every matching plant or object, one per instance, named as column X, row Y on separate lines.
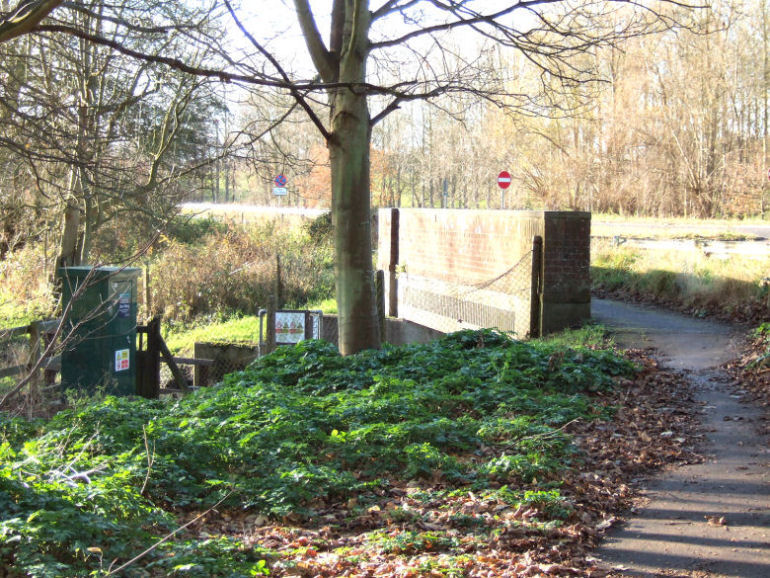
column 509, row 301
column 502, row 302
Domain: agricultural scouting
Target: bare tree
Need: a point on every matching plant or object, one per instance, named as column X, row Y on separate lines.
column 96, row 133
column 376, row 57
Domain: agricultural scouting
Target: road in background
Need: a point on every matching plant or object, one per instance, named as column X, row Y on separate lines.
column 634, row 228
column 249, row 212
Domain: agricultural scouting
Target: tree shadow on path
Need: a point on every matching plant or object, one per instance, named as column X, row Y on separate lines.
column 707, row 519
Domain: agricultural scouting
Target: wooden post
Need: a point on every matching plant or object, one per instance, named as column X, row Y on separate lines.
column 179, row 377
column 34, row 344
column 536, row 288
column 148, row 362
column 47, row 335
column 153, row 363
column 379, row 288
column 278, row 283
column 393, row 264
column 147, row 291
column 270, row 329
column 34, row 352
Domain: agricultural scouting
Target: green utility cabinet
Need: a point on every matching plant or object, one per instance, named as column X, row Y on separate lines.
column 100, row 329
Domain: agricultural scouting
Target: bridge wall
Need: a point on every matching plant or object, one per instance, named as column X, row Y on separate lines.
column 454, row 269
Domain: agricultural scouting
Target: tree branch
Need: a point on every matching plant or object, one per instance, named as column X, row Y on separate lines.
column 27, row 15
column 292, row 89
column 323, row 60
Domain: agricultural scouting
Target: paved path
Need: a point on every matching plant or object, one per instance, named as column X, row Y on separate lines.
column 709, row 519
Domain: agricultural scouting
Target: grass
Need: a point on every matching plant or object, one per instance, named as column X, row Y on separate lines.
column 13, row 313
column 689, row 279
column 181, row 338
column 328, row 306
column 605, row 225
column 300, row 431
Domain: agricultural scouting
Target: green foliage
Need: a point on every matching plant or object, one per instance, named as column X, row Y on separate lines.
column 300, row 428
column 763, row 331
column 191, row 230
column 762, row 335
column 320, row 230
column 410, row 542
column 549, row 502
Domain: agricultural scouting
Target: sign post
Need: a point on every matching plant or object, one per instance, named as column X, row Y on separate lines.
column 503, row 181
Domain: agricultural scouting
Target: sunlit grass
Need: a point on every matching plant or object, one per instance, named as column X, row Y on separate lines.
column 690, row 278
column 182, row 338
column 605, row 225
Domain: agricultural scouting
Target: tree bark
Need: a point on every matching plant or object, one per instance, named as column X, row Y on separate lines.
column 351, row 195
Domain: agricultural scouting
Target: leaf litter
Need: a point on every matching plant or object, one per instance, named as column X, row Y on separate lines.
column 476, row 456
column 429, row 528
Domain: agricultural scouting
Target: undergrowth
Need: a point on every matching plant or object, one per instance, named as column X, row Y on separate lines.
column 734, row 287
column 299, row 430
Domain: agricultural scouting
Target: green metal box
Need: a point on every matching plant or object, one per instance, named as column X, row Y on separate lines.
column 100, row 329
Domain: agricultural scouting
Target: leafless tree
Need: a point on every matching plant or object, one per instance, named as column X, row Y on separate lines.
column 379, row 55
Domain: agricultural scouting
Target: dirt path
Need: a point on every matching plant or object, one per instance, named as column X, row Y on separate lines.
column 709, row 519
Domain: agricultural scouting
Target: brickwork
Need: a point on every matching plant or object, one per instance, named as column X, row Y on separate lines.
column 454, row 269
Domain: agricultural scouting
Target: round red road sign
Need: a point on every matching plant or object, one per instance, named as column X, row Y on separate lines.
column 504, row 180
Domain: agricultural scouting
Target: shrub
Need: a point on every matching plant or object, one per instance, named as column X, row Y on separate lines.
column 235, row 271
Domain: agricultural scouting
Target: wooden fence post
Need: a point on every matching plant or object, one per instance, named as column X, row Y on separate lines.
column 148, row 361
column 270, row 321
column 35, row 337
column 379, row 288
column 278, row 283
column 536, row 288
column 147, row 291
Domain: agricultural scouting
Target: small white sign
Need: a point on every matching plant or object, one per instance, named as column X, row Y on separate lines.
column 122, row 360
column 280, row 191
column 289, row 327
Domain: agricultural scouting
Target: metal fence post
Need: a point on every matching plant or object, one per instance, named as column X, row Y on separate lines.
column 393, row 263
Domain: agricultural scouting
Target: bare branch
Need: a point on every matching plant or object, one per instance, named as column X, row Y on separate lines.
column 294, row 92
column 27, row 15
column 323, row 60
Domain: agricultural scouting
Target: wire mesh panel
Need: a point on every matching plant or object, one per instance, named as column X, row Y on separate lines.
column 502, row 302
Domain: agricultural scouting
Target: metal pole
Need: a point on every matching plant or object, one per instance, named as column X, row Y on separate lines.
column 379, row 287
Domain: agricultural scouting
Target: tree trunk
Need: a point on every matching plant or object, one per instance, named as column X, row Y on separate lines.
column 351, row 199
column 68, row 247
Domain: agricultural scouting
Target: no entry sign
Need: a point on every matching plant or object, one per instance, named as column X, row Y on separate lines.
column 504, row 180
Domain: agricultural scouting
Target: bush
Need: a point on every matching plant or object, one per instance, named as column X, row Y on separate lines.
column 25, row 291
column 235, row 271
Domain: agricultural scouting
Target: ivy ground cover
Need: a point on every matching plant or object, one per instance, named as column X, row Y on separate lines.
column 468, row 456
